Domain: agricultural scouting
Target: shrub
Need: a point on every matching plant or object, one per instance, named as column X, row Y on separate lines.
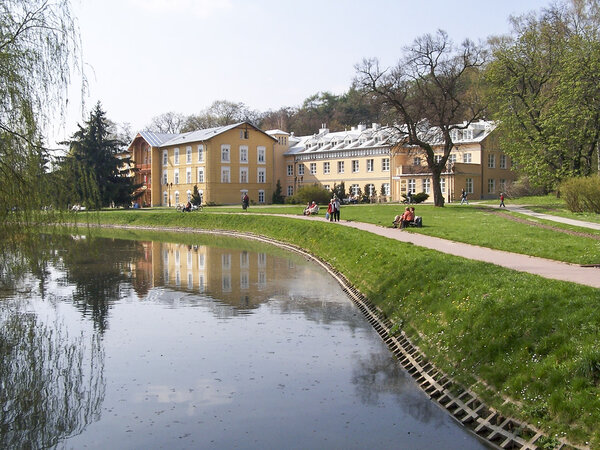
column 315, row 192
column 582, row 194
column 416, row 198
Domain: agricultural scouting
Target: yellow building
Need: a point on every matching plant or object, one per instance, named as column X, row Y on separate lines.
column 370, row 160
column 223, row 162
column 360, row 158
column 476, row 164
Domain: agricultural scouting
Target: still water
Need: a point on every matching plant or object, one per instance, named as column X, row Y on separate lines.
column 224, row 343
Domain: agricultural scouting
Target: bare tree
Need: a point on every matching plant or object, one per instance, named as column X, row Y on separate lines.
column 430, row 92
column 169, row 122
column 221, row 113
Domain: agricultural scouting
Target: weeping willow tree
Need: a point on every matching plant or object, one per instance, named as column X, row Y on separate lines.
column 38, row 49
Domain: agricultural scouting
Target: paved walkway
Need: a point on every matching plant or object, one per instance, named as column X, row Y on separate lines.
column 589, row 276
column 577, row 223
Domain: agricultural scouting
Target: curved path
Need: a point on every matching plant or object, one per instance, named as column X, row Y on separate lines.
column 547, row 268
column 578, row 223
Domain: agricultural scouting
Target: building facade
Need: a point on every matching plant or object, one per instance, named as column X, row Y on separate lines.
column 224, row 163
column 370, row 160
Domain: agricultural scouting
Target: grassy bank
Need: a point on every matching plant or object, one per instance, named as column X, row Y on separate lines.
column 530, row 339
column 470, row 224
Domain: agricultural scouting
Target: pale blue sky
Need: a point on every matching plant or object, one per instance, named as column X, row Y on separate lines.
column 147, row 57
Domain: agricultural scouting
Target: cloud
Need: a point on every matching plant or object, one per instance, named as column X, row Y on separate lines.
column 199, row 8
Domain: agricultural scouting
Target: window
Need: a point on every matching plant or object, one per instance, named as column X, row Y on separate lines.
column 427, row 185
column 491, row 186
column 188, row 155
column 261, row 196
column 325, row 168
column 385, row 165
column 261, row 175
column 354, row 165
column 243, row 154
column 225, row 149
column 165, row 199
column 189, row 198
column 412, row 185
column 416, row 162
column 370, row 188
column 386, row 188
column 491, row 160
column 188, row 175
column 165, row 178
column 452, row 159
column 503, row 161
column 467, row 158
column 469, row 185
column 340, row 166
column 177, row 197
column 327, row 187
column 370, row 164
column 313, row 168
column 165, row 157
column 437, row 158
column 290, row 170
column 176, row 156
column 502, row 184
column 176, row 176
column 300, row 169
column 261, row 151
column 354, row 189
column 200, row 174
column 243, row 134
column 243, row 175
column 443, row 184
column 225, row 175
column 290, row 190
column 201, row 153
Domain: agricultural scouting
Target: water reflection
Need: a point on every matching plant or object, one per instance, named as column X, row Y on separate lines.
column 218, row 344
column 52, row 385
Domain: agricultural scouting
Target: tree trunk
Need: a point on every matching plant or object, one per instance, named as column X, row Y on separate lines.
column 438, row 196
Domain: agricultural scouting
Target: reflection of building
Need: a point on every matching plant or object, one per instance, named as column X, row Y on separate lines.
column 237, row 277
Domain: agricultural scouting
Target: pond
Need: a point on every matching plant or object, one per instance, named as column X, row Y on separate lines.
column 216, row 343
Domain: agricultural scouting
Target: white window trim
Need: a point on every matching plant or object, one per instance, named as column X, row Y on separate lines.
column 261, row 150
column 226, row 169
column 228, row 148
column 243, row 161
column 243, row 170
column 200, row 149
column 188, row 154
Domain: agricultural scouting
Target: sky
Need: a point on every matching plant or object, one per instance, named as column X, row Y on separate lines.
column 143, row 58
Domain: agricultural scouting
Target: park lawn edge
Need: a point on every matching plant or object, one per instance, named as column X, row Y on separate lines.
column 505, row 334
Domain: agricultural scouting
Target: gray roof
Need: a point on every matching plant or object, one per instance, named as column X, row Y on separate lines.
column 156, row 139
column 166, row 139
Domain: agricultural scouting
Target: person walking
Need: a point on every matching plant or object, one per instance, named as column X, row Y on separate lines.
column 463, row 197
column 502, row 200
column 336, row 209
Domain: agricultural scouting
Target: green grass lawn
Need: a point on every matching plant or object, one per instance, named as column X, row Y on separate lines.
column 470, row 224
column 533, row 340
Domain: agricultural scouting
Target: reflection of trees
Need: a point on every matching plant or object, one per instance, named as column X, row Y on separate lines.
column 51, row 386
column 99, row 270
column 381, row 374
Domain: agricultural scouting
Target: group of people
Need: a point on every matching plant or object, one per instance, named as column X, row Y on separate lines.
column 311, row 208
column 333, row 210
column 407, row 218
